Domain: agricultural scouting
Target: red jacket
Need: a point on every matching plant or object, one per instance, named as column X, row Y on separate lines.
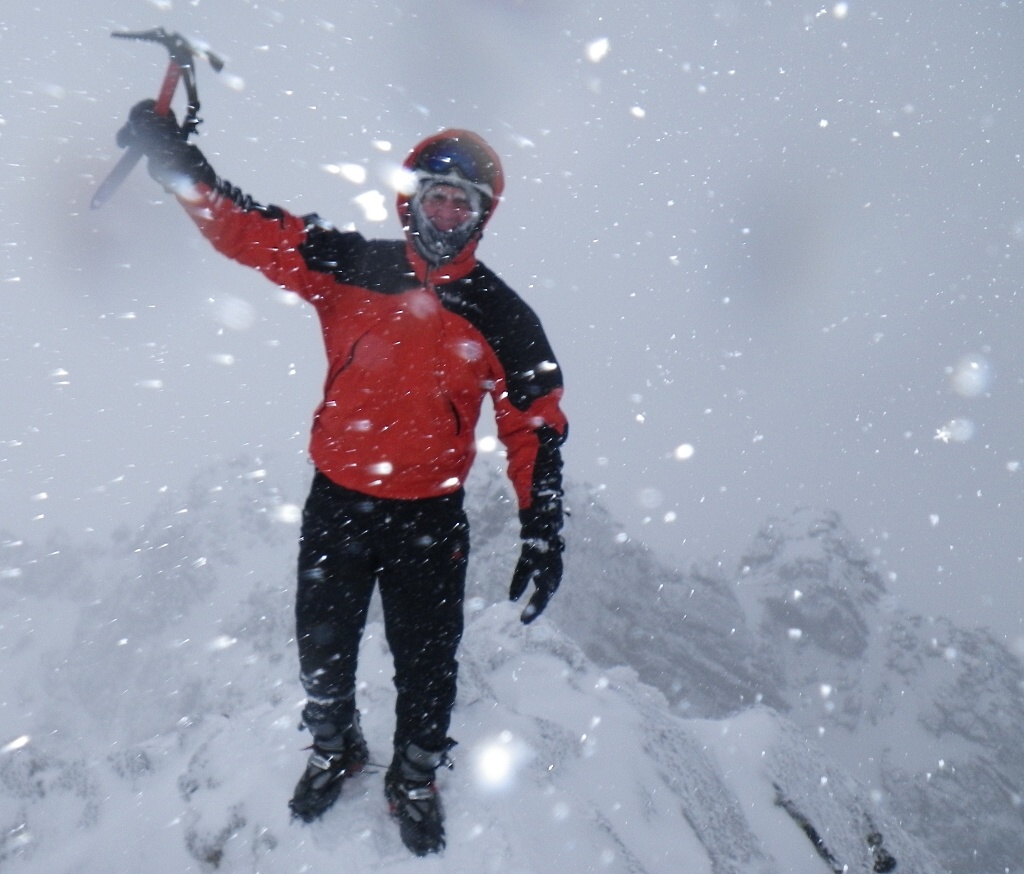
column 411, row 353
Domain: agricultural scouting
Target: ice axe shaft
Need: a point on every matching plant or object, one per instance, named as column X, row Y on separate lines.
column 180, row 66
column 167, row 89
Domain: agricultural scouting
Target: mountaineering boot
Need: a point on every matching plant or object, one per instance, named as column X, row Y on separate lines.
column 413, row 798
column 332, row 761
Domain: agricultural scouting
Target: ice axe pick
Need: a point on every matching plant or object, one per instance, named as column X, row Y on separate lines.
column 181, row 66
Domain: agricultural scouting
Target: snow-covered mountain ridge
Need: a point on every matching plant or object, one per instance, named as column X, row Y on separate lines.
column 655, row 720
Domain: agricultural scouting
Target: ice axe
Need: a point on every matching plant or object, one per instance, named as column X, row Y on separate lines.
column 182, row 53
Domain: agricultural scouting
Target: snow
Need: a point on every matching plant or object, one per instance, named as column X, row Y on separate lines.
column 150, row 704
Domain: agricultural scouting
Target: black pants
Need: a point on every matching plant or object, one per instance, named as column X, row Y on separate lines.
column 416, row 553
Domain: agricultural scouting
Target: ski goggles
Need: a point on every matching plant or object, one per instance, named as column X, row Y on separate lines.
column 470, row 162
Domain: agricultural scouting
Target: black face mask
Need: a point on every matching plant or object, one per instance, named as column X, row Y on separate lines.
column 437, row 246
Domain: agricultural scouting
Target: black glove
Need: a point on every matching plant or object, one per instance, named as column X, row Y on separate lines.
column 165, row 143
column 148, row 131
column 540, row 563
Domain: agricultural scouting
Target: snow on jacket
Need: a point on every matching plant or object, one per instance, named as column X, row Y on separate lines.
column 412, row 350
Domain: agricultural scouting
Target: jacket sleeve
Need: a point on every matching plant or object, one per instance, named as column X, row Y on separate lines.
column 533, row 439
column 266, row 238
column 531, row 424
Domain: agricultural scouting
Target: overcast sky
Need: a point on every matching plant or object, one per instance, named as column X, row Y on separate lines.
column 777, row 247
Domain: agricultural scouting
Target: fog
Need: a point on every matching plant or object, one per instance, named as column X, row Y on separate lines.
column 777, row 248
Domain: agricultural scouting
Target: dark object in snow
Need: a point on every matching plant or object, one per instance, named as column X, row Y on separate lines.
column 808, row 829
column 180, row 67
column 331, row 763
column 884, row 861
column 414, row 800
